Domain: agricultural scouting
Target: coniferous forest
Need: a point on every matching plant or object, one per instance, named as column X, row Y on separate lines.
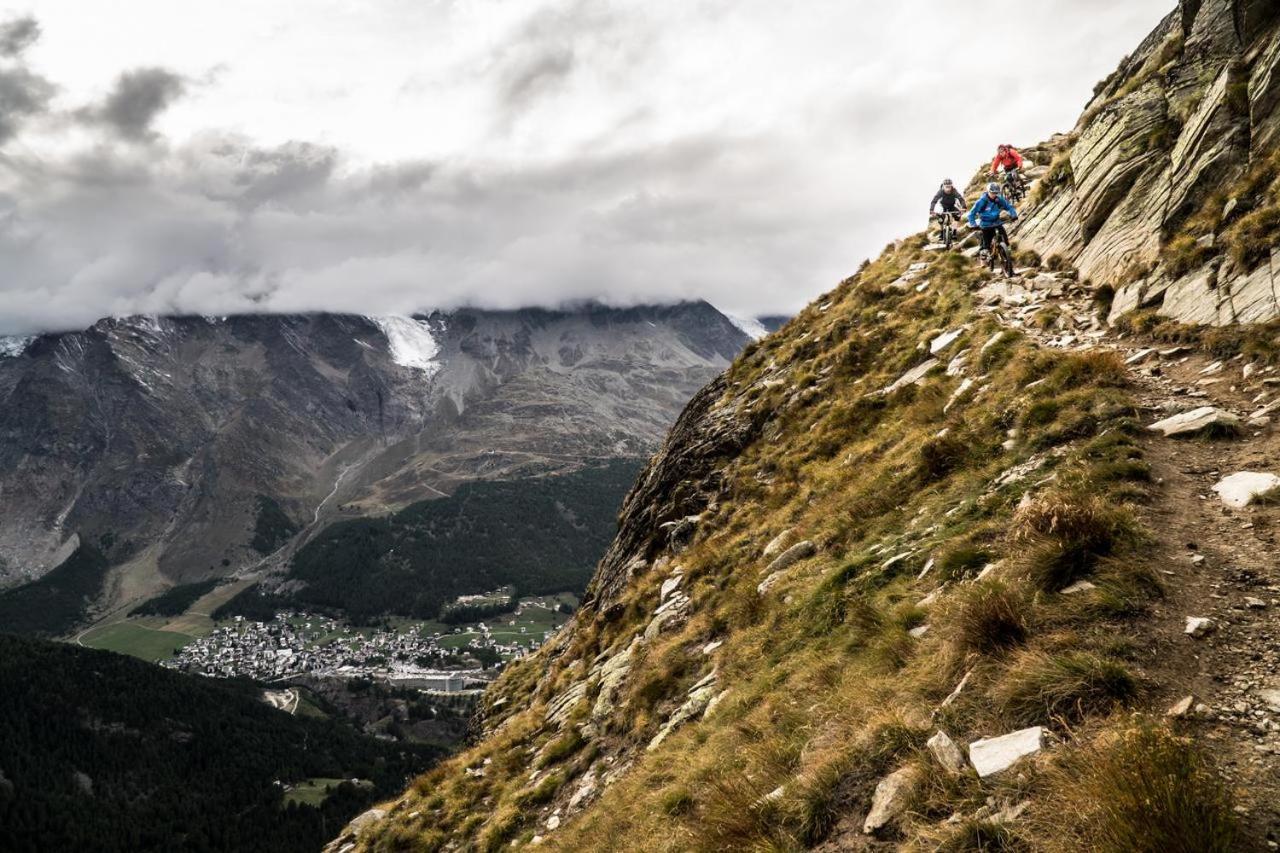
column 539, row 536
column 102, row 752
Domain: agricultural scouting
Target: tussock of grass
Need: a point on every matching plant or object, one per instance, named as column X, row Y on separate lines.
column 1183, row 254
column 1057, row 263
column 561, row 748
column 1099, row 368
column 837, row 602
column 1253, row 239
column 988, row 617
column 677, row 801
column 1059, row 175
column 1027, row 258
column 1062, row 536
column 962, row 560
column 540, row 793
column 1141, row 791
column 1064, row 688
column 945, row 454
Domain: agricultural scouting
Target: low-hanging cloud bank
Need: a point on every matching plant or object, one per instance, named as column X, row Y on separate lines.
column 102, row 213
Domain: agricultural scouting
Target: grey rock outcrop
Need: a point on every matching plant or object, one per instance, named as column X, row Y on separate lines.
column 1182, row 118
column 697, row 701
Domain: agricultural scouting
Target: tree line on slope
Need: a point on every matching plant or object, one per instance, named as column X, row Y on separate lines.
column 538, row 535
column 55, row 603
column 175, row 601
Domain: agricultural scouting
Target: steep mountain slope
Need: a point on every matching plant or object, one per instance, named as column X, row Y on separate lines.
column 916, row 573
column 190, row 448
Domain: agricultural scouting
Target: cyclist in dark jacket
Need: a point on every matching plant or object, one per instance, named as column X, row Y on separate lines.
column 985, row 214
column 949, row 198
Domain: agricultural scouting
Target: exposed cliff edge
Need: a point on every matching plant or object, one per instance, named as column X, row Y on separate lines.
column 949, row 562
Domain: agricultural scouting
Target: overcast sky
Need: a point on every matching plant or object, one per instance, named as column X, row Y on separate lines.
column 388, row 156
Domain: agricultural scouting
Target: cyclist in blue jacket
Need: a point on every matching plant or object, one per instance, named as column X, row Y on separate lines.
column 985, row 214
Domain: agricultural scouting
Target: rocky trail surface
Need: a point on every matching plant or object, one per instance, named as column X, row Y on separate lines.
column 1218, row 560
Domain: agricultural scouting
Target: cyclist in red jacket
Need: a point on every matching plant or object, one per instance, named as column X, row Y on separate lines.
column 1008, row 157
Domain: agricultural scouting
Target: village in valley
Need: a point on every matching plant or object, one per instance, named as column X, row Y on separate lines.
column 434, row 656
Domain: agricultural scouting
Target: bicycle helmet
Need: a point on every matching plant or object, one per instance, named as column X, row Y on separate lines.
column 993, row 188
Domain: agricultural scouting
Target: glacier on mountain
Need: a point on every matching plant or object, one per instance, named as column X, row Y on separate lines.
column 410, row 341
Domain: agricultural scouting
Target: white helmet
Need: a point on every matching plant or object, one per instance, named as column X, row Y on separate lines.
column 993, row 188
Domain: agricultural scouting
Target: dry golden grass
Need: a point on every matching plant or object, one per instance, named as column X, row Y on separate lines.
column 1064, row 688
column 1139, row 789
column 988, row 617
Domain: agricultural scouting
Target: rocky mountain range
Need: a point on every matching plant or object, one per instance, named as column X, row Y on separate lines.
column 185, row 448
column 952, row 561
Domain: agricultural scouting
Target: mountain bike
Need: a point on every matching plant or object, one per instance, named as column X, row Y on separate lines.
column 1014, row 190
column 948, row 220
column 1001, row 254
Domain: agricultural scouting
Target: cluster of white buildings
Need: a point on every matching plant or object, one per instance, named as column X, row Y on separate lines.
column 295, row 644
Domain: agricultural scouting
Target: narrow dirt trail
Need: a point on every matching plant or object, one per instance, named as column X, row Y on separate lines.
column 1217, row 562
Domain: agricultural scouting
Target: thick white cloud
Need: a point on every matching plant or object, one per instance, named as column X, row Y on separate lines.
column 400, row 155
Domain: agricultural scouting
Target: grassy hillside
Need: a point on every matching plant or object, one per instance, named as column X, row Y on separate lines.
column 538, row 535
column 950, row 520
column 194, row 765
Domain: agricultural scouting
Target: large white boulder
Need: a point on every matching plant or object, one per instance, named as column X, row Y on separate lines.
column 1240, row 489
column 777, row 543
column 990, row 756
column 1194, row 421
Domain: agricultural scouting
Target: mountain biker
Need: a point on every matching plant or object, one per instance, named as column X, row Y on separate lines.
column 949, row 198
column 1008, row 157
column 985, row 214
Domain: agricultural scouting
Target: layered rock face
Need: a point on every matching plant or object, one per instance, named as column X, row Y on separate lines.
column 154, row 438
column 1181, row 121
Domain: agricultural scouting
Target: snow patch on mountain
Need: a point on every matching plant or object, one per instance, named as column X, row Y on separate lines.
column 749, row 326
column 410, row 341
column 13, row 346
